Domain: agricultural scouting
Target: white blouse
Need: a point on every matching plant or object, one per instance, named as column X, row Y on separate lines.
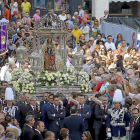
column 14, row 7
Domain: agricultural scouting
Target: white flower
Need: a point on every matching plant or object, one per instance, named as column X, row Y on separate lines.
column 44, row 78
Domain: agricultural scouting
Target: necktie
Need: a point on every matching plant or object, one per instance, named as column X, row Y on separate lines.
column 134, row 123
column 104, row 109
column 81, row 108
column 56, row 110
column 2, row 102
column 34, row 109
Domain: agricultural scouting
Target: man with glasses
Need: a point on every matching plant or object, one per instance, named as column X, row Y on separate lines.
column 81, row 11
column 32, row 106
column 56, row 115
column 110, row 44
column 44, row 109
column 92, row 44
column 66, row 25
column 135, row 125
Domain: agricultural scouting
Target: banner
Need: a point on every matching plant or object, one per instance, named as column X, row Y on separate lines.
column 3, row 39
column 129, row 34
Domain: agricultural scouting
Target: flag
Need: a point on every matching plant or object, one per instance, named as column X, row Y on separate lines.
column 3, row 39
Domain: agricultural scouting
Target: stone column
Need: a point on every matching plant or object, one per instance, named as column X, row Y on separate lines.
column 98, row 7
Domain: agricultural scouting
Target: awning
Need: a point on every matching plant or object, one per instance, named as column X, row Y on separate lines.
column 122, row 0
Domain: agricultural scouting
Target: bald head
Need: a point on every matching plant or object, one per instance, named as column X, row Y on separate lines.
column 27, row 97
column 106, row 12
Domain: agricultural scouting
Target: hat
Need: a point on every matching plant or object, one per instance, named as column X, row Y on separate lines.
column 9, row 94
column 118, row 96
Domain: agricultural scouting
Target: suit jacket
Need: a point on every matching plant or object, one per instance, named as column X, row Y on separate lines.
column 136, row 130
column 38, row 114
column 36, row 136
column 19, row 103
column 42, row 103
column 27, row 132
column 45, row 117
column 85, row 116
column 54, row 119
column 99, row 117
column 75, row 125
column 22, row 114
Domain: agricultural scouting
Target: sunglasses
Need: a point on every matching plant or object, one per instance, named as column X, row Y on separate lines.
column 90, row 40
column 66, row 23
column 69, row 29
column 95, row 21
column 111, row 72
column 87, row 60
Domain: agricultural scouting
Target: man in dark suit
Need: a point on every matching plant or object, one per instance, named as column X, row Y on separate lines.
column 84, row 110
column 22, row 102
column 100, row 119
column 36, row 135
column 45, row 101
column 32, row 106
column 135, row 125
column 56, row 115
column 44, row 109
column 75, row 124
column 27, row 129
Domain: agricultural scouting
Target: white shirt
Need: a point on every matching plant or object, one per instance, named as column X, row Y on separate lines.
column 110, row 45
column 62, row 17
column 105, row 17
column 38, row 131
column 92, row 47
column 131, row 95
column 14, row 7
column 3, row 72
column 33, row 107
column 8, row 75
column 4, row 20
column 19, row 131
column 81, row 13
column 127, row 55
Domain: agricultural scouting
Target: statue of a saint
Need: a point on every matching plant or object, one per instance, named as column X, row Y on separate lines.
column 49, row 53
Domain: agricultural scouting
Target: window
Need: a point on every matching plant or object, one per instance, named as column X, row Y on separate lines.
column 61, row 5
column 120, row 7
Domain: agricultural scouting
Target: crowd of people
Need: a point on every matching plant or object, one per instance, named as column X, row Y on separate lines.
column 112, row 110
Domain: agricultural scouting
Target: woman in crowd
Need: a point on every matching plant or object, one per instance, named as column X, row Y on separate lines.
column 6, row 12
column 85, row 29
column 97, row 48
column 13, row 7
column 133, row 55
column 20, row 18
column 110, row 93
column 119, row 40
column 69, row 36
column 104, row 54
column 86, row 15
column 95, row 29
column 129, row 52
column 86, row 135
column 63, row 16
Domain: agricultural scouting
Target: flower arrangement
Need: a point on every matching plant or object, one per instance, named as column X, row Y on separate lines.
column 23, row 81
column 46, row 78
column 16, row 73
column 85, row 89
